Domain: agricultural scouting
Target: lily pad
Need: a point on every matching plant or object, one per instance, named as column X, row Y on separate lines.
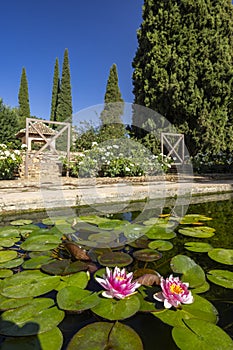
column 104, row 335
column 29, row 283
column 12, row 303
column 21, row 222
column 113, row 309
column 11, row 263
column 112, row 224
column 199, row 334
column 37, row 262
column 41, row 243
column 189, row 219
column 198, row 232
column 147, row 255
column 115, row 259
column 72, row 298
column 79, row 279
column 5, row 273
column 158, row 232
column 9, row 231
column 223, row 256
column 33, row 318
column 223, row 278
column 201, row 289
column 191, row 272
column 51, row 340
column 198, row 247
column 7, row 255
column 103, row 237
column 160, row 245
column 8, row 242
column 64, row 267
column 141, row 242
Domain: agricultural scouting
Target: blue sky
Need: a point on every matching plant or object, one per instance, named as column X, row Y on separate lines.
column 96, row 34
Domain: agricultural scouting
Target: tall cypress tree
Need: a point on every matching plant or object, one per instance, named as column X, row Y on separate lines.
column 183, row 69
column 64, row 108
column 111, row 122
column 23, row 99
column 55, row 92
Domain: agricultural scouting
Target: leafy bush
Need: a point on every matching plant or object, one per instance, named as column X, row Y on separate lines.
column 124, row 158
column 10, row 160
column 213, row 163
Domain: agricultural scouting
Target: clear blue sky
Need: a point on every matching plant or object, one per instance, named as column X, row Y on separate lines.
column 97, row 33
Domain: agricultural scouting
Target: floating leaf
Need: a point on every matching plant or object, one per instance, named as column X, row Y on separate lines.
column 201, row 289
column 41, row 243
column 51, row 340
column 115, row 259
column 147, row 255
column 79, row 279
column 189, row 219
column 29, row 283
column 160, row 233
column 76, row 252
column 12, row 263
column 7, row 255
column 141, row 242
column 112, row 224
column 104, row 335
column 192, row 273
column 198, row 247
column 21, row 222
column 223, row 278
column 160, row 245
column 8, row 231
column 12, row 303
column 198, row 232
column 223, row 256
column 76, row 299
column 113, row 309
column 103, row 237
column 148, row 279
column 5, row 273
column 33, row 318
column 37, row 262
column 200, row 334
column 8, row 241
column 64, row 267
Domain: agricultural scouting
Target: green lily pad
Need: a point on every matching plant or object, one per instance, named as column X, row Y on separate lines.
column 191, row 272
column 64, row 267
column 5, row 273
column 198, row 232
column 113, row 309
column 223, row 256
column 200, row 308
column 29, row 283
column 115, row 259
column 93, row 219
column 7, row 255
column 33, row 318
column 41, row 243
column 104, row 335
column 201, row 289
column 12, row 303
column 223, row 278
column 199, row 334
column 79, row 279
column 9, row 231
column 147, row 255
column 112, row 224
column 198, row 247
column 51, row 340
column 103, row 237
column 21, row 222
column 160, row 245
column 8, row 242
column 159, row 232
column 76, row 299
column 12, row 263
column 189, row 219
column 37, row 262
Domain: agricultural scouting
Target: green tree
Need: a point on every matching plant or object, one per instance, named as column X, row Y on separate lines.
column 55, row 92
column 111, row 122
column 64, row 108
column 8, row 125
column 23, row 99
column 183, row 69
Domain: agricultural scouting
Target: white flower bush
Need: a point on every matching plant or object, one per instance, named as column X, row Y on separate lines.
column 124, row 159
column 10, row 161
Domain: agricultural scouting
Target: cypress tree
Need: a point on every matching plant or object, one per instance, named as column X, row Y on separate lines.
column 111, row 122
column 23, row 99
column 64, row 108
column 55, row 92
column 183, row 69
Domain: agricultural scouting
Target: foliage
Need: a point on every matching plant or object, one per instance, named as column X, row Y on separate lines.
column 10, row 161
column 54, row 281
column 8, row 124
column 55, row 92
column 64, row 107
column 124, row 158
column 23, row 97
column 183, row 69
column 208, row 162
column 112, row 126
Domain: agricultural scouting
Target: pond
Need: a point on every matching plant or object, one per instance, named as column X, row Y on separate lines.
column 51, row 296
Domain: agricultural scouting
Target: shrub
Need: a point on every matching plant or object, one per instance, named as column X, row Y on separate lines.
column 10, row 160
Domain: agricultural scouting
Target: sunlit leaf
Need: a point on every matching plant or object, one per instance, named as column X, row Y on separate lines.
column 223, row 278
column 223, row 256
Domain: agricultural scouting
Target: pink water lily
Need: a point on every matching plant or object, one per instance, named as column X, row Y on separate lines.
column 174, row 292
column 118, row 284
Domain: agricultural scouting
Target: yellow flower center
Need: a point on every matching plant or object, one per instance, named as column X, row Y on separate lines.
column 119, row 278
column 174, row 288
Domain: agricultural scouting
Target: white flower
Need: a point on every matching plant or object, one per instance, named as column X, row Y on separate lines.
column 109, row 147
column 127, row 169
column 17, row 152
column 94, row 144
column 23, row 146
column 7, row 153
column 115, row 146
